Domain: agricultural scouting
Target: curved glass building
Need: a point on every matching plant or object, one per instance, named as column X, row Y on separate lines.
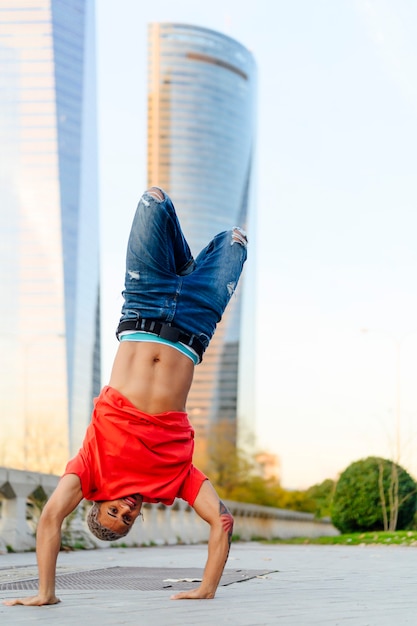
column 201, row 134
column 49, row 279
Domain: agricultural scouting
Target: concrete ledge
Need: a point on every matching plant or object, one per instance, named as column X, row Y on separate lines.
column 161, row 526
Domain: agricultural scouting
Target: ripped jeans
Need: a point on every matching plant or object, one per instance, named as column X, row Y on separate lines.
column 163, row 282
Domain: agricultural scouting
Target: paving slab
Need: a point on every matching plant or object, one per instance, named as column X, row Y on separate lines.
column 309, row 585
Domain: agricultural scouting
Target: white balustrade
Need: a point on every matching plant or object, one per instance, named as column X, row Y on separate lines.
column 162, row 525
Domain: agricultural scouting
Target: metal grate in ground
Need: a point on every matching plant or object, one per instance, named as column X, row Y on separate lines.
column 136, row 578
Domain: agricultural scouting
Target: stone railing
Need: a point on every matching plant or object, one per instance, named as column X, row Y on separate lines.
column 21, row 491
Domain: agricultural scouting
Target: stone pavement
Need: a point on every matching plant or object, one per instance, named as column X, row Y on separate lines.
column 314, row 585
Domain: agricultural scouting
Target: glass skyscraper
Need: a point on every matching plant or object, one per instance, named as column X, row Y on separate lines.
column 201, row 134
column 49, row 278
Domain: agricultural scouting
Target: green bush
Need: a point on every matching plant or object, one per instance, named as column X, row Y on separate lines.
column 320, row 497
column 374, row 494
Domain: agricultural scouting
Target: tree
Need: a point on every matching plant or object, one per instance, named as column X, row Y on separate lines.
column 374, row 494
column 253, row 477
column 318, row 498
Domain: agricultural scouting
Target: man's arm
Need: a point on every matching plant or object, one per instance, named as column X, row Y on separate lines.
column 210, row 508
column 63, row 501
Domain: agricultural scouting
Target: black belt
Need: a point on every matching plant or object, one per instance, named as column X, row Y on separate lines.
column 165, row 331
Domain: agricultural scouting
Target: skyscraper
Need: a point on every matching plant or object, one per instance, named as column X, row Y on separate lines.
column 49, row 278
column 201, row 133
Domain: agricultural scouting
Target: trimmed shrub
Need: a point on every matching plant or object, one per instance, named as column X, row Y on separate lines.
column 365, row 497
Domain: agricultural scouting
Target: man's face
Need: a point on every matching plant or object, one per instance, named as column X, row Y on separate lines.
column 119, row 515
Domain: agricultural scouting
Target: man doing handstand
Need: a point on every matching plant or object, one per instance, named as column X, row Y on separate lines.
column 139, row 444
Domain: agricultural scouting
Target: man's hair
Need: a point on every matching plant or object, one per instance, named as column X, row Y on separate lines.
column 100, row 531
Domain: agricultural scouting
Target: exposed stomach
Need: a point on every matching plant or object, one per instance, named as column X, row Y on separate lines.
column 153, row 377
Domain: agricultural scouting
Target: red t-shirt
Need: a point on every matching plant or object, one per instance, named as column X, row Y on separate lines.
column 126, row 451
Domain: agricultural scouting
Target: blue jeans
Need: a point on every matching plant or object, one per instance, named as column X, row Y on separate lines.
column 163, row 282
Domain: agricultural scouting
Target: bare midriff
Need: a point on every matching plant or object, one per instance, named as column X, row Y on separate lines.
column 154, row 377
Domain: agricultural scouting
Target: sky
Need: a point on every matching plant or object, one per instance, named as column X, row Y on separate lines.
column 333, row 223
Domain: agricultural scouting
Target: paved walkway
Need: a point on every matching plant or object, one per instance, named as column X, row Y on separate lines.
column 315, row 585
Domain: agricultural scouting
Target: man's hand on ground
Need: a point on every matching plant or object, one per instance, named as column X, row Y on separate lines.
column 193, row 594
column 32, row 601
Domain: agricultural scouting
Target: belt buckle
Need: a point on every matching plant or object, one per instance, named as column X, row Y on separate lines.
column 170, row 333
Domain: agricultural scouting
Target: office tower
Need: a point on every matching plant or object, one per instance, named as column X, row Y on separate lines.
column 49, row 278
column 201, row 132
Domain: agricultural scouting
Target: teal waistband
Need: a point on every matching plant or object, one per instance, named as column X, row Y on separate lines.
column 140, row 335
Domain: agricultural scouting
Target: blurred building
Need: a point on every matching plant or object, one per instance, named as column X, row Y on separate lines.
column 201, row 134
column 49, row 278
column 269, row 466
